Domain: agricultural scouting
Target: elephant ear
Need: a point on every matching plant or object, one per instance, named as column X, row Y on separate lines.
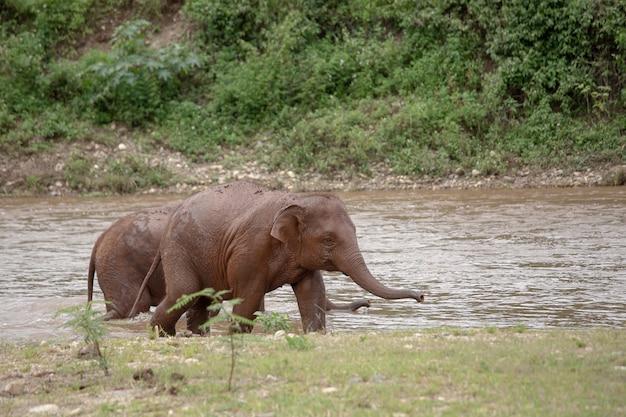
column 287, row 228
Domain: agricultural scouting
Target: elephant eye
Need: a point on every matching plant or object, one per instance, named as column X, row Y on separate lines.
column 329, row 241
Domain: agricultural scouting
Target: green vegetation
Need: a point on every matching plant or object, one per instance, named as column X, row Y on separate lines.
column 430, row 372
column 272, row 322
column 425, row 87
column 219, row 312
column 124, row 174
column 87, row 322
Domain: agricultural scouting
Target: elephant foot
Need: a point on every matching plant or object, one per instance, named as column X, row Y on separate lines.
column 110, row 315
column 158, row 331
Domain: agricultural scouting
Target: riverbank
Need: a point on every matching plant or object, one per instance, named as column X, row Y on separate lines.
column 97, row 99
column 489, row 371
column 54, row 173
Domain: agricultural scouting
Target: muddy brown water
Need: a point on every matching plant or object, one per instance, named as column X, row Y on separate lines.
column 540, row 258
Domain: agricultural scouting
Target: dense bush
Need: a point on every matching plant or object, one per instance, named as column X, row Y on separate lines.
column 426, row 86
column 469, row 73
column 132, row 82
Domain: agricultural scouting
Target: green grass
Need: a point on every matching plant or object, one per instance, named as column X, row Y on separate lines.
column 434, row 372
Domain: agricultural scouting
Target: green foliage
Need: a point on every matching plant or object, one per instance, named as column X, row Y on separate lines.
column 458, row 65
column 273, row 321
column 548, row 49
column 29, row 33
column 314, row 142
column 130, row 173
column 237, row 323
column 120, row 174
column 59, row 20
column 132, row 82
column 88, row 323
column 423, row 88
column 37, row 90
column 21, row 65
column 78, row 170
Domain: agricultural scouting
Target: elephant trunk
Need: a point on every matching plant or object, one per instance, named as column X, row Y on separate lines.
column 357, row 270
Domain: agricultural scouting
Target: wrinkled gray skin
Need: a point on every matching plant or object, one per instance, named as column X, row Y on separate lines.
column 250, row 240
column 121, row 258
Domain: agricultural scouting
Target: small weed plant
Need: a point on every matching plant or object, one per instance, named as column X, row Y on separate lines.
column 87, row 322
column 218, row 313
column 272, row 322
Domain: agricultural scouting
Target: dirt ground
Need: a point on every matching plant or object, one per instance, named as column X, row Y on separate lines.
column 192, row 177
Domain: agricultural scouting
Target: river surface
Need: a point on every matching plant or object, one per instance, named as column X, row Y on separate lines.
column 545, row 258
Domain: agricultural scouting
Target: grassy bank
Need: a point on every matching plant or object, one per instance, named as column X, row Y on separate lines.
column 512, row 372
column 426, row 88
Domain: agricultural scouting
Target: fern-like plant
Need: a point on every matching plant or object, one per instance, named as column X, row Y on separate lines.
column 88, row 322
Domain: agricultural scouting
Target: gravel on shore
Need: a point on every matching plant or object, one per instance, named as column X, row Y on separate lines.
column 192, row 177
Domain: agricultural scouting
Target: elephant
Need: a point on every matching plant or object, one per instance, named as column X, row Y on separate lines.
column 250, row 240
column 121, row 258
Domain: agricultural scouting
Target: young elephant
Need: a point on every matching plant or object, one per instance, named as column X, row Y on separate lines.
column 250, row 240
column 121, row 258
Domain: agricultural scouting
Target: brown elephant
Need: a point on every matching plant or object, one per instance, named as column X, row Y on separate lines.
column 250, row 240
column 121, row 258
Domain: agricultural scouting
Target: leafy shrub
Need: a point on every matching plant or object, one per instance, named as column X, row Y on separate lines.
column 59, row 20
column 129, row 174
column 548, row 49
column 78, row 172
column 273, row 321
column 198, row 131
column 217, row 306
column 21, row 65
column 314, row 142
column 132, row 82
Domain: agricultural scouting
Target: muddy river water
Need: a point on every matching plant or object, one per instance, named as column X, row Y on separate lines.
column 540, row 258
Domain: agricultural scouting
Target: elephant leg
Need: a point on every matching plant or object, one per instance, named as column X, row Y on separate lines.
column 198, row 314
column 311, row 296
column 166, row 321
column 249, row 305
column 185, row 283
column 116, row 309
column 110, row 315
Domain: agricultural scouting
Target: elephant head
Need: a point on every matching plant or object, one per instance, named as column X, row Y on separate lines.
column 319, row 233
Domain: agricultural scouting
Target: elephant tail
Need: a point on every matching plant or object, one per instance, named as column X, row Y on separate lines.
column 92, row 272
column 144, row 284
